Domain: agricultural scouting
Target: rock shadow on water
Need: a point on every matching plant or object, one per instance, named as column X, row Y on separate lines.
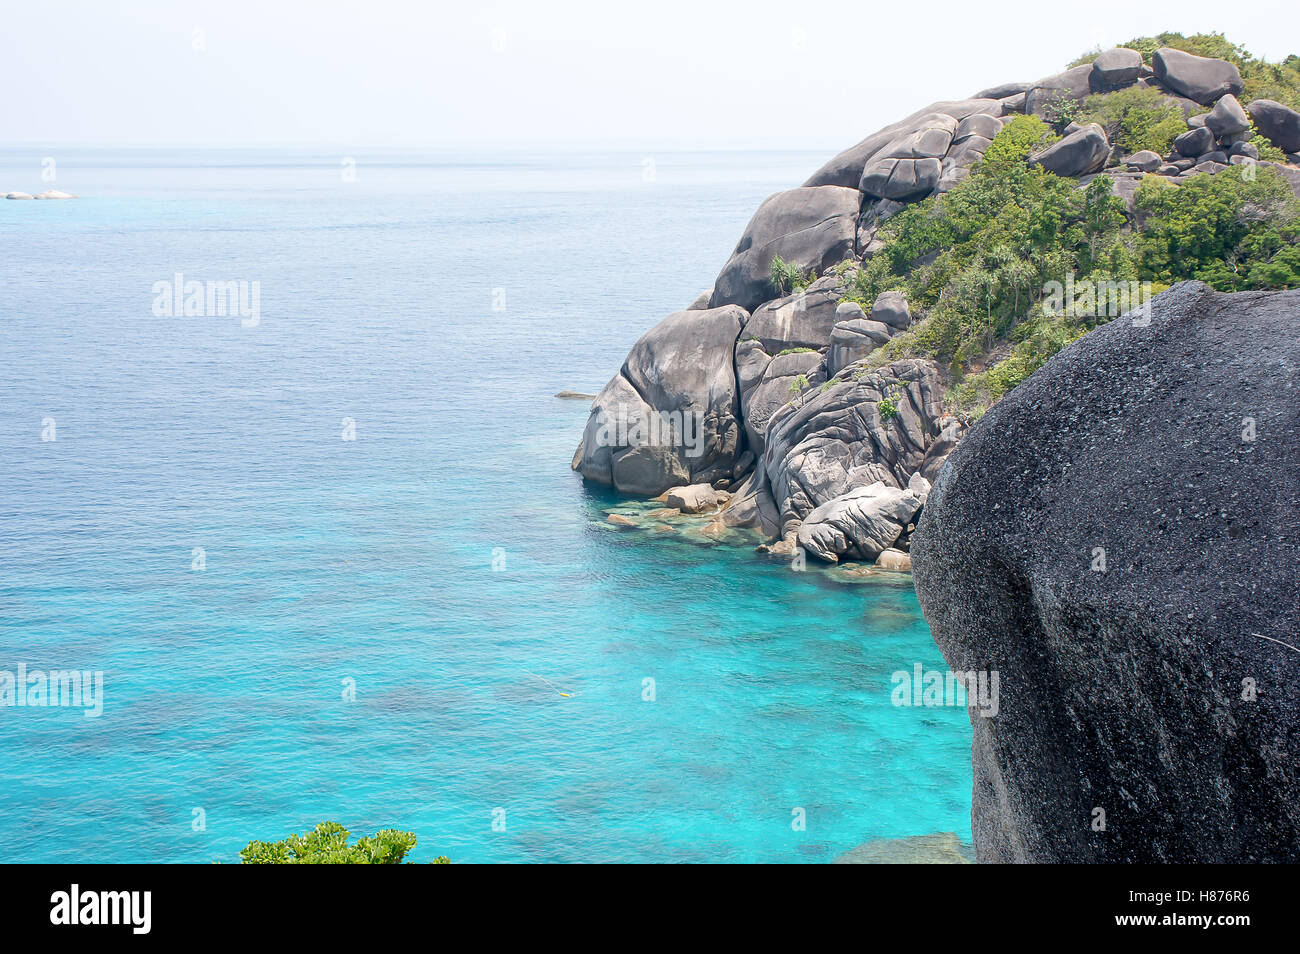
column 941, row 848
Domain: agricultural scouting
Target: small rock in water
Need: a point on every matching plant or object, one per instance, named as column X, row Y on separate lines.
column 18, row 195
column 895, row 560
column 618, row 520
column 575, row 396
column 54, row 194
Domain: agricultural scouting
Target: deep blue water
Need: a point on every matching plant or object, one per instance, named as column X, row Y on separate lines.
column 372, row 560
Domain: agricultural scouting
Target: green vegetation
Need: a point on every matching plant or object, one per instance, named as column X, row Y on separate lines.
column 787, row 278
column 328, row 844
column 1061, row 110
column 1018, row 139
column 888, row 408
column 1263, row 80
column 795, row 351
column 976, row 262
column 1224, row 230
column 1136, row 118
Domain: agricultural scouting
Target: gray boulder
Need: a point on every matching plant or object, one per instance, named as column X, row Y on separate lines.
column 1144, row 161
column 1073, row 84
column 1200, row 78
column 801, row 320
column 695, row 498
column 1117, row 538
column 1194, row 142
column 977, row 124
column 671, row 414
column 843, row 437
column 777, row 387
column 1004, row 91
column 901, row 179
column 1077, row 154
column 860, row 524
column 1247, row 150
column 751, row 506
column 890, row 308
column 811, row 228
column 1277, row 122
column 1115, row 68
column 1227, row 118
column 845, row 169
column 854, row 337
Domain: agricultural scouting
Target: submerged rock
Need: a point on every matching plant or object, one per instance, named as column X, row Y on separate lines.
column 1118, row 537
column 938, row 849
column 696, row 498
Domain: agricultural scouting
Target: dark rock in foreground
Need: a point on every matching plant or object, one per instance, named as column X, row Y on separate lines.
column 1119, row 538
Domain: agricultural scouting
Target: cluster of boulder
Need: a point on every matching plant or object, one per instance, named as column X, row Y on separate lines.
column 815, row 449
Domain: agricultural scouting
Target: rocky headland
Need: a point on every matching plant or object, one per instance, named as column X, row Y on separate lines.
column 928, row 351
column 779, row 386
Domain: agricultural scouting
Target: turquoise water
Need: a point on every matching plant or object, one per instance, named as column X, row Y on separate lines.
column 371, row 561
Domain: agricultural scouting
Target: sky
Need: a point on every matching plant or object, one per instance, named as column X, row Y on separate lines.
column 549, row 74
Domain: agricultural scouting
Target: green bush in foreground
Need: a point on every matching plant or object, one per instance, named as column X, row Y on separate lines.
column 328, row 845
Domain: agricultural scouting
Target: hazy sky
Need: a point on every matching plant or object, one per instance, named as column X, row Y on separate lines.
column 550, row 73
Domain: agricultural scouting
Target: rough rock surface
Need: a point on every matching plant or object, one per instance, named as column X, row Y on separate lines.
column 1073, row 84
column 1227, row 118
column 1115, row 68
column 1118, row 538
column 862, row 523
column 845, row 169
column 1078, row 154
column 811, row 228
column 1201, row 78
column 682, row 367
column 1279, row 123
column 696, row 498
column 840, row 438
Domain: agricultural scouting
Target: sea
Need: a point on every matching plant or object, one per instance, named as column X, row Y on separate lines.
column 322, row 551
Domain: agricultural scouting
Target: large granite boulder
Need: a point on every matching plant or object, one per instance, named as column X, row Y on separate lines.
column 1279, row 123
column 860, row 524
column 901, row 179
column 811, row 228
column 845, row 169
column 1115, row 68
column 861, row 428
column 1197, row 141
column 1201, row 78
column 854, row 337
column 1227, row 118
column 1079, row 153
column 1118, row 539
column 783, row 379
column 671, row 415
column 1073, row 84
